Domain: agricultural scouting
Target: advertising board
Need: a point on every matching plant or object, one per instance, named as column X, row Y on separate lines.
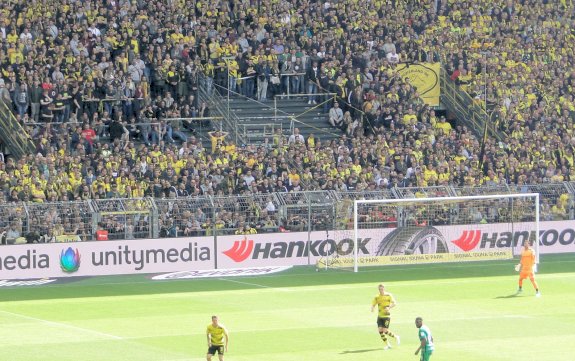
column 106, row 257
column 164, row 255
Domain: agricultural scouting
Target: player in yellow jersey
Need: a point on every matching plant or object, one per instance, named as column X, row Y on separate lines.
column 217, row 339
column 526, row 268
column 384, row 302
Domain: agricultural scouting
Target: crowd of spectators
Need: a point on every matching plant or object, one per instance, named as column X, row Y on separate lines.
column 517, row 59
column 93, row 82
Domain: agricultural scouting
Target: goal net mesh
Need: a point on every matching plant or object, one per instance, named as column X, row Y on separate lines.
column 428, row 230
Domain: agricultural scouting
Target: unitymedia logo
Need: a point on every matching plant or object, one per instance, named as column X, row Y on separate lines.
column 70, row 260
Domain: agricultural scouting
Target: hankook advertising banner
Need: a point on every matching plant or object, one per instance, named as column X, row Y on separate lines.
column 273, row 249
column 479, row 240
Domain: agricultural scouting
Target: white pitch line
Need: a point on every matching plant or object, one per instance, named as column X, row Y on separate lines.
column 395, row 268
column 443, row 265
column 411, row 283
column 478, row 318
column 253, row 284
column 63, row 325
column 129, row 340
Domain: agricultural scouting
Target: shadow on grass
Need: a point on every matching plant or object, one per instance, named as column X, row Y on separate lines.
column 513, row 295
column 359, row 351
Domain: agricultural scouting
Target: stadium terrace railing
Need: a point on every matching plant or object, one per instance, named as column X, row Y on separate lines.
column 16, row 140
column 212, row 93
column 217, row 105
column 295, row 118
column 265, row 127
column 467, row 109
column 306, row 211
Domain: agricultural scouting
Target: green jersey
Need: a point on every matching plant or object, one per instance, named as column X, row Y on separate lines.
column 425, row 334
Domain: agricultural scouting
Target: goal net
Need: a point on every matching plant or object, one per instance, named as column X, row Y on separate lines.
column 433, row 230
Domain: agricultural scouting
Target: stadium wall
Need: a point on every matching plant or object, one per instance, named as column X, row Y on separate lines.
column 151, row 256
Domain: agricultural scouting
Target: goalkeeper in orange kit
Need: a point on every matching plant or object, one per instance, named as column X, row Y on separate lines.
column 526, row 268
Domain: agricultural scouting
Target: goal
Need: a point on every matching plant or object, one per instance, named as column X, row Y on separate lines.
column 440, row 229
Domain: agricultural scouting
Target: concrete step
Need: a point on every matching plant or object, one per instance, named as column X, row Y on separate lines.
column 308, row 120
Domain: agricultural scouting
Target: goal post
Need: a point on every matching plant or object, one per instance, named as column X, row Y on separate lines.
column 440, row 229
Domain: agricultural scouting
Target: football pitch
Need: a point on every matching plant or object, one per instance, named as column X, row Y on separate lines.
column 298, row 315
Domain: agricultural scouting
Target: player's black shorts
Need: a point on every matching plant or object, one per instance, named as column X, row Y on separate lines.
column 383, row 322
column 213, row 349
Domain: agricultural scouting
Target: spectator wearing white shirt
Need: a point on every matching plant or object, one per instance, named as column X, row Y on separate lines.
column 57, row 75
column 52, row 29
column 249, row 178
column 94, row 30
column 389, row 46
column 393, row 57
column 336, row 116
column 74, row 42
column 26, row 35
column 296, row 137
column 270, row 207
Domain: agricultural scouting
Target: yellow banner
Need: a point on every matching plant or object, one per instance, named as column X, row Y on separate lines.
column 347, row 262
column 425, row 77
column 68, row 238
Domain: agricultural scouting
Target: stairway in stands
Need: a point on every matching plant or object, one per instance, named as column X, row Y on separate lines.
column 259, row 120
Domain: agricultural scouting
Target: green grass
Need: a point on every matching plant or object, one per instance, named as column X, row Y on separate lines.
column 298, row 315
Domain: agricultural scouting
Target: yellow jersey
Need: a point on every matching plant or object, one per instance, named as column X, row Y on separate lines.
column 383, row 302
column 217, row 334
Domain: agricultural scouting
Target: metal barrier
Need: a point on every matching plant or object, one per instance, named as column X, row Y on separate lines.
column 327, row 97
column 466, row 109
column 308, row 211
column 344, row 205
column 427, row 192
column 260, row 131
column 242, row 214
column 216, row 103
column 232, row 122
column 124, row 218
column 185, row 217
column 14, row 222
column 48, row 222
column 15, row 138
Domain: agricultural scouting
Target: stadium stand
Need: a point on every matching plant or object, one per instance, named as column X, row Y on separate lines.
column 112, row 95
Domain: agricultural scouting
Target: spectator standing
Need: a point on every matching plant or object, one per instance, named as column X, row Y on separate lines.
column 35, row 96
column 312, row 78
column 22, row 99
column 5, row 95
column 264, row 72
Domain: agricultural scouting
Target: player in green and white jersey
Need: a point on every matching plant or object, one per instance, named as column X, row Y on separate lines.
column 426, row 346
